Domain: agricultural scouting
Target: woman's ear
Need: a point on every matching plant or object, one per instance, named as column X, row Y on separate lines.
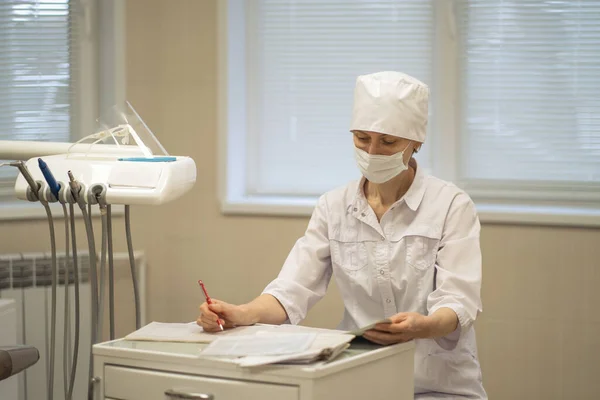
column 417, row 147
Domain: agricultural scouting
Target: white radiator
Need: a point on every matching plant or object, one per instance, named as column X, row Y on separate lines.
column 26, row 278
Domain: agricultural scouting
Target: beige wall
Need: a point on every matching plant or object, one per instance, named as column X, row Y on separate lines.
column 539, row 335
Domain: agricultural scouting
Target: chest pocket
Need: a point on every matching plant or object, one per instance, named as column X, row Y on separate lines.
column 421, row 247
column 350, row 256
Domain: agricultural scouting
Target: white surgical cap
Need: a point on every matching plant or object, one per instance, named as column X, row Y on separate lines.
column 392, row 103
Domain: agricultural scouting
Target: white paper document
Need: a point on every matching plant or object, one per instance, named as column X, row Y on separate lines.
column 184, row 332
column 325, row 347
column 260, row 344
column 356, row 332
column 362, row 330
column 191, row 332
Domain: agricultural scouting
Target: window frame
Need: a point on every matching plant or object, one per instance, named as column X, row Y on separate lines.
column 495, row 203
column 101, row 72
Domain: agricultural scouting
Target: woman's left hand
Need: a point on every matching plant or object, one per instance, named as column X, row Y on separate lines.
column 405, row 326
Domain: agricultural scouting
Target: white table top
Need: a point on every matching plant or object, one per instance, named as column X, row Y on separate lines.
column 359, row 352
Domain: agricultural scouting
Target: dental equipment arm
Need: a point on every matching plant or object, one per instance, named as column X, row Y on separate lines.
column 25, row 150
column 121, row 163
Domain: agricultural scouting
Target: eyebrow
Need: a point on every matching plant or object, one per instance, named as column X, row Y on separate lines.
column 383, row 135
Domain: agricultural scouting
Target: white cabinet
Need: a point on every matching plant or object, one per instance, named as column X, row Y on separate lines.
column 165, row 371
column 152, row 385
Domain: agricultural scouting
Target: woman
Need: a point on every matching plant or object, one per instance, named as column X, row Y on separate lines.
column 401, row 244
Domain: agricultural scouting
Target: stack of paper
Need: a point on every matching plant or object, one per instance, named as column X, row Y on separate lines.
column 185, row 332
column 258, row 344
column 325, row 347
column 361, row 331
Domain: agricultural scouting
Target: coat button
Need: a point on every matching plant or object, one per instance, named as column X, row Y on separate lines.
column 381, row 272
column 388, row 301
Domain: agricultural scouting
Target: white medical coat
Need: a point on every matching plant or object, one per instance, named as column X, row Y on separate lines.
column 423, row 255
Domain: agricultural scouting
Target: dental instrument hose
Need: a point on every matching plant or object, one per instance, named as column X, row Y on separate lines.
column 111, row 275
column 89, row 208
column 102, row 206
column 50, row 393
column 34, row 186
column 136, row 293
column 75, row 187
column 54, row 189
column 76, row 282
column 67, row 313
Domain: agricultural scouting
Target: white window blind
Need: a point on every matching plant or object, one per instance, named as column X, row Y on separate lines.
column 38, row 58
column 531, row 94
column 302, row 61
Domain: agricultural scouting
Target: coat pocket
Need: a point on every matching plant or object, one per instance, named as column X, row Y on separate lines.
column 350, row 256
column 421, row 251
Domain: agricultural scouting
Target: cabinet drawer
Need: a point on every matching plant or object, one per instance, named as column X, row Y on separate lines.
column 139, row 384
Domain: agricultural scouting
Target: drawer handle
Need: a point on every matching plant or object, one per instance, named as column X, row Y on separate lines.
column 174, row 394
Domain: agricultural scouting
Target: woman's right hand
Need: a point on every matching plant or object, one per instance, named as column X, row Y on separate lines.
column 230, row 315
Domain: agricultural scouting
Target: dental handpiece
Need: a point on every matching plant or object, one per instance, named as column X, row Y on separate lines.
column 50, row 180
column 27, row 175
column 74, row 185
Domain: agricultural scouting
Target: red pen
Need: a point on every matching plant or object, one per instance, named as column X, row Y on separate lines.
column 208, row 299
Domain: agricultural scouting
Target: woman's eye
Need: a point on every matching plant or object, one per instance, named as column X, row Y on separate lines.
column 363, row 139
column 388, row 143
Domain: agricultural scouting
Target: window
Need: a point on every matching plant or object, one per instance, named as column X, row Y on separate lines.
column 38, row 59
column 49, row 52
column 514, row 107
column 531, row 97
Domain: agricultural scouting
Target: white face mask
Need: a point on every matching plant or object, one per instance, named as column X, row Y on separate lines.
column 378, row 168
